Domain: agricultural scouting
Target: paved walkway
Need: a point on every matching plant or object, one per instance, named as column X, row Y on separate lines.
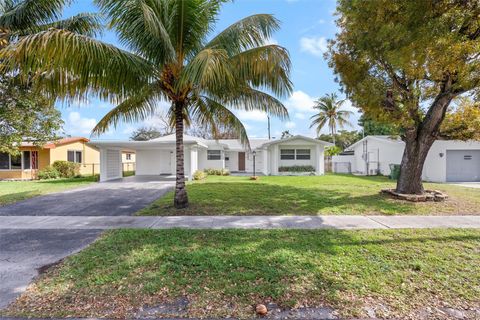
column 114, row 198
column 240, row 222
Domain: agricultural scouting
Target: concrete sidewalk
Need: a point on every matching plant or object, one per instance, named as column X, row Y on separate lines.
column 238, row 222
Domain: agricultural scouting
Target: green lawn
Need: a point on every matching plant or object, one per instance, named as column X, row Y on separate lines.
column 329, row 194
column 226, row 272
column 13, row 191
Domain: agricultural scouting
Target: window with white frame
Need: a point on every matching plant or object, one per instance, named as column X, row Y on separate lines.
column 128, row 156
column 292, row 154
column 214, row 154
column 287, row 154
column 74, row 156
column 302, row 154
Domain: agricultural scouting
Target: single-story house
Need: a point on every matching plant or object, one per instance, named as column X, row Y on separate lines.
column 157, row 156
column 447, row 160
column 33, row 158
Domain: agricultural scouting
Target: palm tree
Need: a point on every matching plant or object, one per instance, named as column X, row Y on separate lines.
column 25, row 17
column 172, row 57
column 329, row 111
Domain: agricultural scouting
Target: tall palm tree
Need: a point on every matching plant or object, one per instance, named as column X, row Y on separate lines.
column 172, row 57
column 25, row 17
column 329, row 112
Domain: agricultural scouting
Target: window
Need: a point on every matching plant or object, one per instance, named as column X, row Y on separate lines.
column 303, row 154
column 128, row 156
column 287, row 154
column 467, row 157
column 292, row 154
column 74, row 156
column 16, row 162
column 4, row 161
column 26, row 160
column 214, row 154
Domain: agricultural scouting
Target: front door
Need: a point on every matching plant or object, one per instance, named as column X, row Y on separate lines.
column 241, row 161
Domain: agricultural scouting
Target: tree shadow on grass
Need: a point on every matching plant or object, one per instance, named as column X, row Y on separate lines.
column 243, row 198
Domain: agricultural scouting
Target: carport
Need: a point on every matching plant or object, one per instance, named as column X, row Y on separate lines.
column 153, row 158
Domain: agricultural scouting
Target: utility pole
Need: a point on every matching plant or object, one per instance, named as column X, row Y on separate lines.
column 268, row 118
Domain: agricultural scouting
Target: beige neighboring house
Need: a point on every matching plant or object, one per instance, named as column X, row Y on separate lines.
column 33, row 158
column 128, row 160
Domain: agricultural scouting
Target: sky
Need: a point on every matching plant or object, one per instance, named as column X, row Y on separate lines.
column 306, row 25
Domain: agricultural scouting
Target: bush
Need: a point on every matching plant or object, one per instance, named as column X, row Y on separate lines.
column 67, row 169
column 199, row 175
column 394, row 171
column 48, row 173
column 297, row 169
column 217, row 172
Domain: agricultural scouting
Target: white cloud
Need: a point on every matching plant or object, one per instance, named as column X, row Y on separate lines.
column 300, row 116
column 314, row 45
column 254, row 115
column 76, row 124
column 321, row 21
column 300, row 101
column 290, row 125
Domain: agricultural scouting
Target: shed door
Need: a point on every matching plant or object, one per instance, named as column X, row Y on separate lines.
column 463, row 165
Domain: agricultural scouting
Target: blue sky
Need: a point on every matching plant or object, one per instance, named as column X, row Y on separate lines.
column 306, row 26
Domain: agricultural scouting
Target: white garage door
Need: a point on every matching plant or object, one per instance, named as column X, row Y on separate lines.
column 463, row 165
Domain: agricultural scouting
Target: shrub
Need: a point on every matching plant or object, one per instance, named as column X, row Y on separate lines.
column 217, row 172
column 199, row 175
column 67, row 169
column 48, row 172
column 297, row 169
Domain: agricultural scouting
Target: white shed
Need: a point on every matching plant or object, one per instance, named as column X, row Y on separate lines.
column 447, row 160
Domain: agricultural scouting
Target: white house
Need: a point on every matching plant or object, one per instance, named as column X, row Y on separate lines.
column 447, row 160
column 157, row 156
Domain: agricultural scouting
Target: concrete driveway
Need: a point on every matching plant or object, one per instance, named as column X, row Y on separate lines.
column 23, row 252
column 475, row 185
column 116, row 198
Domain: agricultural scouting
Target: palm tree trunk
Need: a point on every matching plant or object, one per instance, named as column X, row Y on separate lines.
column 181, row 199
column 332, row 129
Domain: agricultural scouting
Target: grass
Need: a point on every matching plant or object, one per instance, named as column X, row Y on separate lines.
column 13, row 191
column 226, row 272
column 329, row 194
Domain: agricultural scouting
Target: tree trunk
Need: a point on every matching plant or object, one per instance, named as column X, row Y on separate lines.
column 181, row 199
column 418, row 142
column 411, row 168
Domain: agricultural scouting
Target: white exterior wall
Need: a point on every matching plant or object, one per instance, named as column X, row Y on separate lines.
column 435, row 168
column 232, row 163
column 386, row 152
column 258, row 161
column 204, row 163
column 153, row 162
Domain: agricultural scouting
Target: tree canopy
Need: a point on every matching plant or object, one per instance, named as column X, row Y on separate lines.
column 25, row 116
column 404, row 62
column 463, row 122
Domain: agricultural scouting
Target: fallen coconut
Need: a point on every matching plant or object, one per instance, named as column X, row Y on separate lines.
column 261, row 309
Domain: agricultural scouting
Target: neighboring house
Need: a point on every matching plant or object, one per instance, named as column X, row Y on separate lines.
column 33, row 158
column 128, row 160
column 447, row 160
column 157, row 156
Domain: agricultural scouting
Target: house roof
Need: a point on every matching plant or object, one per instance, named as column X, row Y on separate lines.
column 227, row 144
column 317, row 141
column 53, row 144
column 387, row 139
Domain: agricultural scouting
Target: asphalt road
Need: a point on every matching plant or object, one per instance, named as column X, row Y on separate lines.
column 22, row 252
